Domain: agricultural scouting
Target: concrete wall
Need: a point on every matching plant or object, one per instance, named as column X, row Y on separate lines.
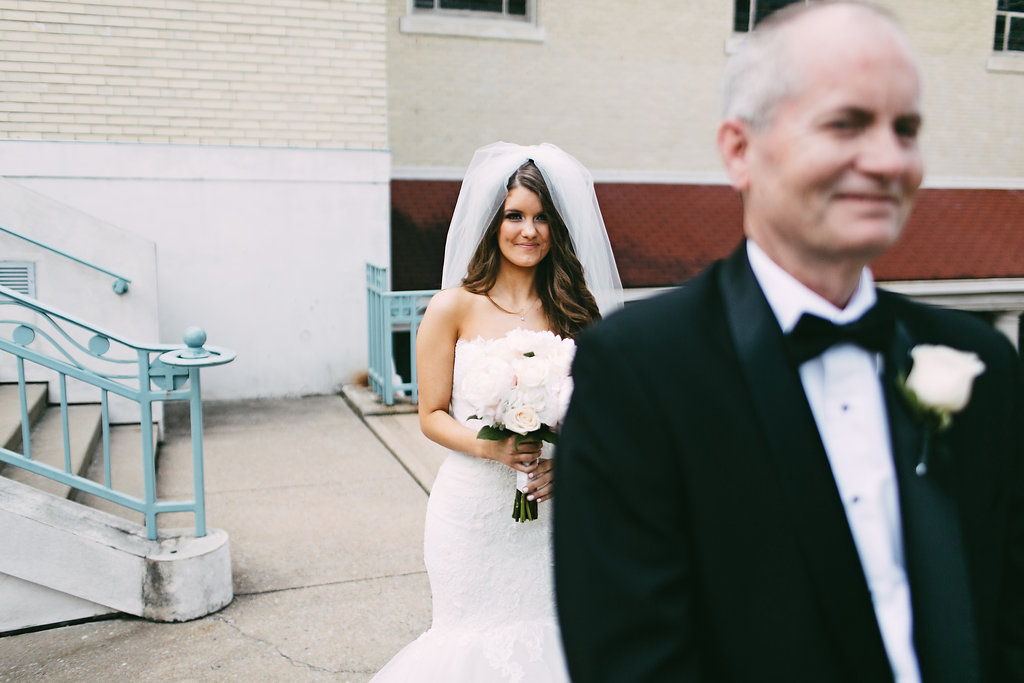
column 633, row 89
column 70, row 286
column 264, row 248
column 82, row 293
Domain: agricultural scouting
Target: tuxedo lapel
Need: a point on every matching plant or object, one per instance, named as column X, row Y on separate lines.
column 944, row 634
column 794, row 450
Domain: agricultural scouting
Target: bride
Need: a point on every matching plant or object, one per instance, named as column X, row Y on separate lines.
column 526, row 254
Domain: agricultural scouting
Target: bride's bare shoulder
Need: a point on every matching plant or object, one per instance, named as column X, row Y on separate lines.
column 456, row 301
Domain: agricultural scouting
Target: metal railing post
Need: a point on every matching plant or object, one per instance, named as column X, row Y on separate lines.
column 386, row 311
column 143, row 374
column 195, row 405
column 194, row 357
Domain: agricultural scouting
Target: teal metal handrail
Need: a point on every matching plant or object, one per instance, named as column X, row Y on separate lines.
column 388, row 312
column 145, row 374
column 120, row 281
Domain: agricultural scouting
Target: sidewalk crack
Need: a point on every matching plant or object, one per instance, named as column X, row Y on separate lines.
column 291, row 660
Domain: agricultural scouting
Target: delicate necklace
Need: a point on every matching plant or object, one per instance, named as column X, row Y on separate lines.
column 522, row 315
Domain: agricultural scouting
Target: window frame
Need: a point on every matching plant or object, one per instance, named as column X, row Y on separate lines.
column 736, row 38
column 1008, row 15
column 752, row 15
column 473, row 23
column 503, row 15
column 1005, row 60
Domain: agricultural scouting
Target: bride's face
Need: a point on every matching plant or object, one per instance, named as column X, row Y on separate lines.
column 524, row 237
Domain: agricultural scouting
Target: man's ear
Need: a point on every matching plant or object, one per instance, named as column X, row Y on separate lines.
column 734, row 148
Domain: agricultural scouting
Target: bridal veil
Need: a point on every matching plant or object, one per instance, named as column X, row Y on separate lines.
column 572, row 191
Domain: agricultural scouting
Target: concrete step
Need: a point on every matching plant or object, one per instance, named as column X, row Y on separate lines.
column 89, row 561
column 10, row 412
column 47, row 446
column 75, row 556
column 125, row 448
column 86, row 446
column 28, row 605
column 125, row 471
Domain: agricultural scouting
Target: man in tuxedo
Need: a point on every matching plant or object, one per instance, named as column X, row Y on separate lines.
column 743, row 497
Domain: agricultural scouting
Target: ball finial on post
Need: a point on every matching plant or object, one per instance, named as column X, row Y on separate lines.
column 194, row 338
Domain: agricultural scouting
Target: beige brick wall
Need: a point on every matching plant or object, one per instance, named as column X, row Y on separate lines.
column 280, row 73
column 628, row 86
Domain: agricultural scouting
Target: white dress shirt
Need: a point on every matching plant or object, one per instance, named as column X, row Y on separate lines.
column 844, row 390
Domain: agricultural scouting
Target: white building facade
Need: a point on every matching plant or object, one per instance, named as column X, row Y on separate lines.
column 247, row 141
column 254, row 143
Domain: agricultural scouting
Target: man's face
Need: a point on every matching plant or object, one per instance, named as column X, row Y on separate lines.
column 834, row 176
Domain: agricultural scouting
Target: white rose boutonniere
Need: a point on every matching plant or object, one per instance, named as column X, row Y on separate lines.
column 938, row 386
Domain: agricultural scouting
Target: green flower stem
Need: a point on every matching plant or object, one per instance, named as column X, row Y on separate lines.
column 524, row 510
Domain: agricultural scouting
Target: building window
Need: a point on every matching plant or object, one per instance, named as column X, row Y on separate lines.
column 1009, row 35
column 492, row 19
column 749, row 12
column 506, row 9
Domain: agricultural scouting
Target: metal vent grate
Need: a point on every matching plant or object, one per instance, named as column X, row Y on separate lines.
column 19, row 276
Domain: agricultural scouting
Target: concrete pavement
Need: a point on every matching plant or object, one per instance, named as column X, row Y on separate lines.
column 324, row 506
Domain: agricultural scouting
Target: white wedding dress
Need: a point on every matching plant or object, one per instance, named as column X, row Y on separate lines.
column 491, row 577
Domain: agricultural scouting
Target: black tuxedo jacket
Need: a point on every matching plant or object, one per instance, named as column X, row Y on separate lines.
column 699, row 534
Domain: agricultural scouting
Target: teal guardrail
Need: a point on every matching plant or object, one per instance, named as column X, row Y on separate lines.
column 120, row 282
column 58, row 346
column 387, row 313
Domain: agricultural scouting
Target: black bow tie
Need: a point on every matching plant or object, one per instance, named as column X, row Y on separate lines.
column 812, row 335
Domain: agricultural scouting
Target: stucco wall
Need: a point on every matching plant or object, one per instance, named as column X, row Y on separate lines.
column 263, row 248
column 609, row 84
column 634, row 88
column 972, row 108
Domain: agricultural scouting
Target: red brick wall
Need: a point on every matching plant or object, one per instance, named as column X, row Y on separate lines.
column 665, row 234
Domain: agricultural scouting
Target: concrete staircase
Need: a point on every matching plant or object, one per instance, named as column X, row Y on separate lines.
column 71, row 556
column 47, row 435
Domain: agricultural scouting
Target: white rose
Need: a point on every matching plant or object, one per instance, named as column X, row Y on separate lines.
column 941, row 378
column 561, row 357
column 528, row 397
column 499, row 349
column 548, row 409
column 489, row 381
column 520, row 341
column 522, row 419
column 532, row 371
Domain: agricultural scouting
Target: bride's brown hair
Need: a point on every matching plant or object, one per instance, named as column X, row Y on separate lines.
column 567, row 303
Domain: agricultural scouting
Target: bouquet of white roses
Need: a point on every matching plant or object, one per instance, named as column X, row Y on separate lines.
column 521, row 386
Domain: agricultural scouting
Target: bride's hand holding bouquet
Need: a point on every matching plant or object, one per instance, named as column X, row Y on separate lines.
column 520, row 394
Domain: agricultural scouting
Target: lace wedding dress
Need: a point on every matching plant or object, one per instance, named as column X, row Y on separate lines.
column 491, row 577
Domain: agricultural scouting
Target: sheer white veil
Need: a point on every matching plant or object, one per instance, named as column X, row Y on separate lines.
column 572, row 191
